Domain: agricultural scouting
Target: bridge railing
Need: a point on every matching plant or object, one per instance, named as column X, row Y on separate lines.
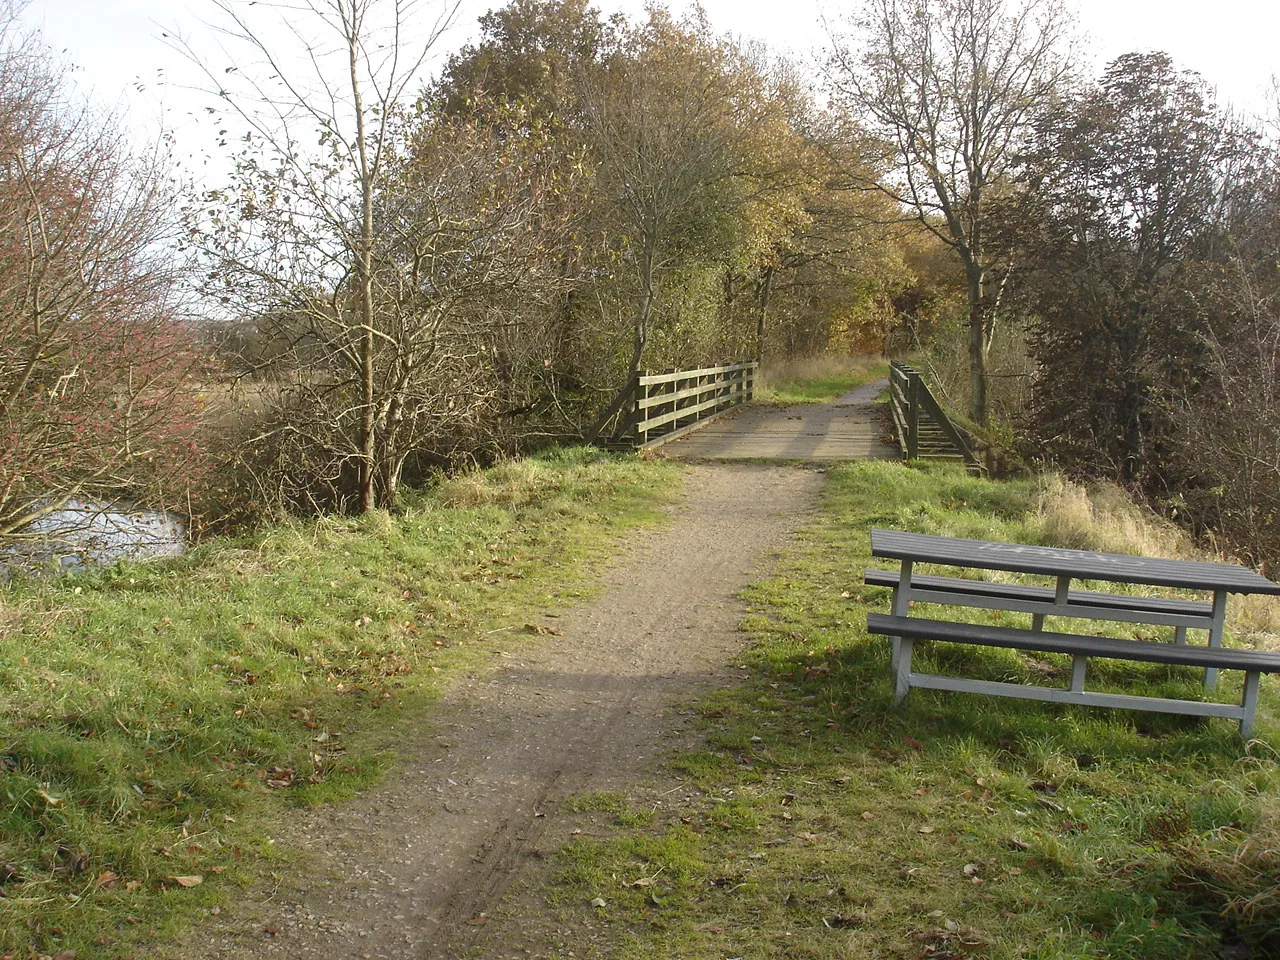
column 663, row 406
column 922, row 426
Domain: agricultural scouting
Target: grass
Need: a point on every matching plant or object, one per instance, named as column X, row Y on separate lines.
column 157, row 720
column 819, row 821
column 817, row 379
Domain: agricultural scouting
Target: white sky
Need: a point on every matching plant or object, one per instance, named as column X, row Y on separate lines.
column 116, row 44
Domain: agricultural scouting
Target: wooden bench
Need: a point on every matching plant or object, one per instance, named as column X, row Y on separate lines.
column 1065, row 565
column 1080, row 647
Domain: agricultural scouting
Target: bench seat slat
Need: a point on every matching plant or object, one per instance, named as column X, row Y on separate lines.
column 1070, row 643
column 1019, row 591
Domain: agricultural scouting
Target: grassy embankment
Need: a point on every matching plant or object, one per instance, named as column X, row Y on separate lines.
column 818, row 379
column 157, row 720
column 830, row 824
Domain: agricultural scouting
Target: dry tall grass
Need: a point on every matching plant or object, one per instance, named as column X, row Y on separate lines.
column 1103, row 517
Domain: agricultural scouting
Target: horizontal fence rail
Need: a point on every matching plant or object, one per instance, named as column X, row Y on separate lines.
column 664, row 406
column 922, row 426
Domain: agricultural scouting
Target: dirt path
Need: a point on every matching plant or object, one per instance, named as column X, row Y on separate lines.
column 408, row 869
column 852, row 427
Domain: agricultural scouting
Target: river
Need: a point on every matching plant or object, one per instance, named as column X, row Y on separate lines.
column 84, row 533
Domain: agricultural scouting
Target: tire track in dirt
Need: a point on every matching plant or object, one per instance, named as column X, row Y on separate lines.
column 408, row 869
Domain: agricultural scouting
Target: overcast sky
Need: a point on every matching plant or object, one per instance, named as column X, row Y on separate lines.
column 117, row 45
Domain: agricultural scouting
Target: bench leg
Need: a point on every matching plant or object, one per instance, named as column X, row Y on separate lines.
column 1250, row 704
column 1215, row 634
column 1079, row 664
column 900, row 607
column 1180, row 636
column 1037, row 621
column 902, row 670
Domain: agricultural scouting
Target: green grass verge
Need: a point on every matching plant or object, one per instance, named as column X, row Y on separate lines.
column 823, row 822
column 157, row 720
column 818, row 382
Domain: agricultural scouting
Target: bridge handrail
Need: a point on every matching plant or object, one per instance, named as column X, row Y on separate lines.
column 663, row 406
column 909, row 396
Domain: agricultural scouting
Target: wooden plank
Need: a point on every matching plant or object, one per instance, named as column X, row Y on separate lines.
column 657, row 378
column 1061, row 561
column 1022, row 591
column 661, row 398
column 683, row 412
column 1086, row 698
column 1070, row 643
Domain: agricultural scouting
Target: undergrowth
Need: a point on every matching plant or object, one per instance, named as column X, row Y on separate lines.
column 156, row 720
column 819, row 821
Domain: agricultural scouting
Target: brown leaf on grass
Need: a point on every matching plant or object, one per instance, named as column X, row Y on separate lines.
column 107, row 879
column 912, row 743
column 868, row 815
column 542, row 631
column 193, row 880
column 808, row 837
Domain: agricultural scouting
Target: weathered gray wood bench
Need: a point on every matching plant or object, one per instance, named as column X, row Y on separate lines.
column 1219, row 579
column 1080, row 648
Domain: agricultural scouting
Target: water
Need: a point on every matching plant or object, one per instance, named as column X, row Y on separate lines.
column 84, row 533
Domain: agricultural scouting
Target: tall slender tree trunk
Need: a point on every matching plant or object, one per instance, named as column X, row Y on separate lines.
column 976, row 277
column 364, row 278
column 762, row 317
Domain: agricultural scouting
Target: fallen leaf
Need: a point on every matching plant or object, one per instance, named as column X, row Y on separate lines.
column 189, row 881
column 912, row 743
column 868, row 815
column 927, row 829
column 48, row 798
column 972, row 869
column 107, row 879
column 643, row 882
column 599, row 902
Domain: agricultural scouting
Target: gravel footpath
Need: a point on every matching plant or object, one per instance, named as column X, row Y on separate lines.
column 417, row 867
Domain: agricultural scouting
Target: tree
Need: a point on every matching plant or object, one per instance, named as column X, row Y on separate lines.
column 678, row 125
column 296, row 234
column 1124, row 261
column 950, row 88
column 98, row 378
